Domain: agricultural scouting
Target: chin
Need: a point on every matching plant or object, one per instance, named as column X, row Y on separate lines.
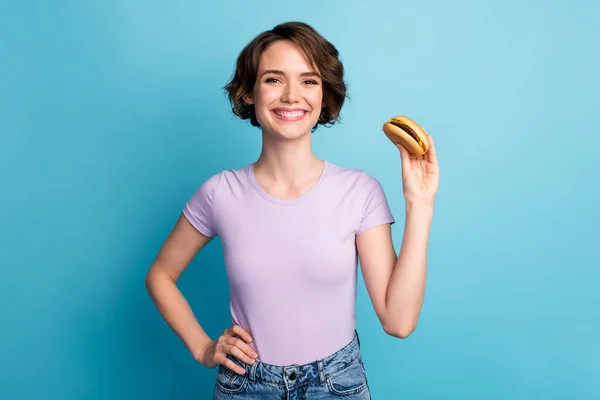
column 290, row 133
column 291, row 130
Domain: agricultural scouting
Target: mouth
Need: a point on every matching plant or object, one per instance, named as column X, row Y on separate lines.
column 289, row 115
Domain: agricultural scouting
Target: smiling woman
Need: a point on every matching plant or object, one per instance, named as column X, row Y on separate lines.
column 291, row 226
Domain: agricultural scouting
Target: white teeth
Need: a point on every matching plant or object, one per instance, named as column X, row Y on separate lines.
column 294, row 114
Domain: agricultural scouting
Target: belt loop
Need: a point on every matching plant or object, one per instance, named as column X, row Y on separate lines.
column 321, row 371
column 252, row 371
column 357, row 338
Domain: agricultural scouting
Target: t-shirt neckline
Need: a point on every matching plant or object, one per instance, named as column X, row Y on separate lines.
column 276, row 200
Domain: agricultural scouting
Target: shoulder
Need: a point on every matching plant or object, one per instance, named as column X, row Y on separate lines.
column 362, row 196
column 223, row 180
column 202, row 209
column 357, row 185
column 354, row 178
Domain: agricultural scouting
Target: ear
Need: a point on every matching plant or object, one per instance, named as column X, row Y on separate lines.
column 247, row 98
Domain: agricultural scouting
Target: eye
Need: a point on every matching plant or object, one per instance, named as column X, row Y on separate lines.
column 270, row 80
column 311, row 82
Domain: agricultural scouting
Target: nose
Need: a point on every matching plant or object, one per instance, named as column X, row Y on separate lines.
column 290, row 94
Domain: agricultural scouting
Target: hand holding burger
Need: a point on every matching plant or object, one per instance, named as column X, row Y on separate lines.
column 420, row 169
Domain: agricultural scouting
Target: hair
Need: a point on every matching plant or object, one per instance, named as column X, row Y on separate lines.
column 321, row 54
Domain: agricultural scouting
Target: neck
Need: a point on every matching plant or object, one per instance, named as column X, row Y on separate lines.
column 287, row 161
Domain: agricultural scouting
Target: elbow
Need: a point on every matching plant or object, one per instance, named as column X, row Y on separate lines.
column 149, row 279
column 149, row 284
column 400, row 331
column 158, row 280
column 153, row 279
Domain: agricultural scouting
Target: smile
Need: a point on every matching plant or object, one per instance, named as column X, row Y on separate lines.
column 289, row 115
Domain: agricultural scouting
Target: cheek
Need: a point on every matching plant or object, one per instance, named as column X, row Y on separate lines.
column 265, row 99
column 316, row 99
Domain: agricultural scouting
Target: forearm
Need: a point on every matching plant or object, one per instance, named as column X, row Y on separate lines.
column 406, row 288
column 177, row 312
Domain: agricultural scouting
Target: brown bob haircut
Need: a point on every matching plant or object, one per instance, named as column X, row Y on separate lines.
column 323, row 56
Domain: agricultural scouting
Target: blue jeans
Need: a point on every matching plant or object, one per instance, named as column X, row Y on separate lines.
column 340, row 375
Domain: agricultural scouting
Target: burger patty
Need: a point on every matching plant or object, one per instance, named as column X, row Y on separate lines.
column 406, row 128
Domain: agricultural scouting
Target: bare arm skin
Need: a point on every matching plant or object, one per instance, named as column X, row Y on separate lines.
column 178, row 250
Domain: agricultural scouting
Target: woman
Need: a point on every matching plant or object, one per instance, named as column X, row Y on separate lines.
column 292, row 226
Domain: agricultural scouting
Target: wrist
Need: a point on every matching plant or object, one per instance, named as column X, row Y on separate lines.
column 420, row 207
column 199, row 352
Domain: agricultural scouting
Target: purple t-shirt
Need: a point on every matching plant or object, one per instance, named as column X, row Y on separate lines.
column 291, row 264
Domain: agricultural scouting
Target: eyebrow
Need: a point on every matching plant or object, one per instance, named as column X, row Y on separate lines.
column 278, row 72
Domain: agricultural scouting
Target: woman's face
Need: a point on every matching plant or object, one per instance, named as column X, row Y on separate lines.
column 288, row 93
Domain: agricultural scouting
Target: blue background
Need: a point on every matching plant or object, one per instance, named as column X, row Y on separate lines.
column 112, row 114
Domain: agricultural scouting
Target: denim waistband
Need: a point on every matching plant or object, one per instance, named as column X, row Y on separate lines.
column 296, row 375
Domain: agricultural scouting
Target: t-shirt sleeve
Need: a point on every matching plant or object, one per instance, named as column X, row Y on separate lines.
column 199, row 209
column 376, row 210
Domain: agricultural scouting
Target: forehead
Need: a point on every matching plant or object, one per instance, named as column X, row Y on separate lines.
column 286, row 56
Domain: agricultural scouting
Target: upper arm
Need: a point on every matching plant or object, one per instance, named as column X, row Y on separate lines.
column 178, row 250
column 374, row 243
column 377, row 258
column 193, row 230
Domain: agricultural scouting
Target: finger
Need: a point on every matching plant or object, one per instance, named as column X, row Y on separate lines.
column 234, row 367
column 241, row 332
column 246, row 356
column 248, row 353
column 221, row 358
column 405, row 157
column 432, row 156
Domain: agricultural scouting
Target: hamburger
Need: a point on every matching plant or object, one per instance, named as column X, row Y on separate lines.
column 406, row 132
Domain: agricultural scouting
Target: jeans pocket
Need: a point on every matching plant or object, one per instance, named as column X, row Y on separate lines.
column 349, row 381
column 229, row 381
